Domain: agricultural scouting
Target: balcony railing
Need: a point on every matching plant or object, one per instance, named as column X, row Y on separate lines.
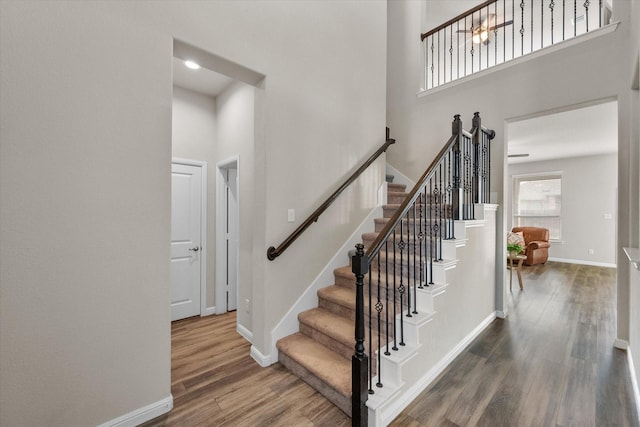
column 499, row 31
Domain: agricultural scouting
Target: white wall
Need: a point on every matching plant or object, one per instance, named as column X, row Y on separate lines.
column 236, row 138
column 85, row 177
column 543, row 83
column 588, row 192
column 193, row 136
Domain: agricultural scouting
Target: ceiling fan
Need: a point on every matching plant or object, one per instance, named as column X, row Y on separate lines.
column 480, row 34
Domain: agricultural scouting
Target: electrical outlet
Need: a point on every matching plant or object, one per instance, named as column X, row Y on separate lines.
column 291, row 215
column 591, row 251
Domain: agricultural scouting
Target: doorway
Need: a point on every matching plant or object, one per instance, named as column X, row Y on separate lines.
column 227, row 235
column 188, row 248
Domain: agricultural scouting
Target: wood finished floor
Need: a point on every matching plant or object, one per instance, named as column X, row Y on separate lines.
column 550, row 363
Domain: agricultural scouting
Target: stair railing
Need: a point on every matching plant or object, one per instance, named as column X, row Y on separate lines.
column 401, row 259
column 273, row 252
column 498, row 31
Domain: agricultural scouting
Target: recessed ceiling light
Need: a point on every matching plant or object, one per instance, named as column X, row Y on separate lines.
column 192, row 65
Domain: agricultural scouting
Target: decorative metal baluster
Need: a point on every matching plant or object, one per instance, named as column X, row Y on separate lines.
column 438, row 58
column 426, row 64
column 458, row 50
column 409, row 278
column 433, row 82
column 504, row 33
column 563, row 17
column 513, row 30
column 586, row 14
column 495, row 35
column 395, row 302
column 471, row 51
column 386, row 285
column 465, row 49
column 541, row 24
column 441, row 208
column 522, row 28
column 451, row 227
column 431, row 242
column 416, row 276
column 600, row 13
column 575, row 17
column 551, row 6
column 370, row 332
column 488, row 30
column 421, row 239
column 401, row 288
column 359, row 360
column 379, row 310
column 480, row 45
column 531, row 37
column 451, row 55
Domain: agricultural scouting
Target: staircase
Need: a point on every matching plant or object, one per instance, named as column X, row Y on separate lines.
column 362, row 346
column 321, row 352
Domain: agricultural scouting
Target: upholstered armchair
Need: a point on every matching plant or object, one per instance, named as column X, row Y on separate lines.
column 536, row 242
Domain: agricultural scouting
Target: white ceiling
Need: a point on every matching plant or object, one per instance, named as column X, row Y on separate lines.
column 582, row 132
column 202, row 80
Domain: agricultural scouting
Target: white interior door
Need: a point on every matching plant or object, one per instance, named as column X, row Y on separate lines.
column 232, row 229
column 186, row 247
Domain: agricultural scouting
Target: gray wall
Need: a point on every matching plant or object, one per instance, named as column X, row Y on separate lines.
column 85, row 155
column 588, row 192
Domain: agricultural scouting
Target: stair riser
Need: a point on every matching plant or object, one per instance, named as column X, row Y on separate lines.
column 381, row 223
column 344, row 349
column 350, row 312
column 341, row 401
column 389, row 210
column 395, row 197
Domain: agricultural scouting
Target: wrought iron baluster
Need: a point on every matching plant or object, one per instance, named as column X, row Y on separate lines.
column 586, row 14
column 541, row 24
column 395, row 292
column 471, row 51
column 480, row 44
column 426, row 64
column 531, row 26
column 438, row 58
column 458, row 50
column 600, row 13
column 488, row 30
column 409, row 278
column 386, row 285
column 451, row 55
column 421, row 239
column 378, row 311
column 513, row 30
column 441, row 208
column 522, row 28
column 495, row 35
column 401, row 288
column 551, row 6
column 575, row 18
column 416, row 276
column 433, row 82
column 431, row 255
column 370, row 332
column 465, row 49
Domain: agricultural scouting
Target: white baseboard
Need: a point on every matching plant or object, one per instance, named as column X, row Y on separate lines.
column 399, row 177
column 621, row 344
column 502, row 314
column 247, row 334
column 261, row 359
column 409, row 396
column 634, row 381
column 208, row 311
column 583, row 262
column 142, row 415
column 309, row 298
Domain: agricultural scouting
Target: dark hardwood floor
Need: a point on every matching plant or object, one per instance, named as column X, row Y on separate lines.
column 550, row 363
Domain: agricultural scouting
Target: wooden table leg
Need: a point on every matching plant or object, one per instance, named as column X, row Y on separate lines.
column 519, row 274
column 510, row 273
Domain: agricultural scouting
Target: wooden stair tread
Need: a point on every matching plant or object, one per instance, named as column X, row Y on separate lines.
column 324, row 363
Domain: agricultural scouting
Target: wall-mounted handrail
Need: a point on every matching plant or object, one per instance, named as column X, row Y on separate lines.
column 273, row 252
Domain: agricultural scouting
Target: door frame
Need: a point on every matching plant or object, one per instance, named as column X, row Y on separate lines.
column 221, row 306
column 203, row 229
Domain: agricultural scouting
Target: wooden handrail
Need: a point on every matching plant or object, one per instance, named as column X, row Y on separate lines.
column 408, row 201
column 273, row 253
column 456, row 19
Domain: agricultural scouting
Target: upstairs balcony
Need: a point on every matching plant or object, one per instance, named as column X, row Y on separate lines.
column 499, row 31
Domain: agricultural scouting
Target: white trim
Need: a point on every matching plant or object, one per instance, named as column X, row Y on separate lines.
column 502, row 314
column 583, row 262
column 407, row 397
column 621, row 344
column 246, row 334
column 262, row 359
column 530, row 56
column 399, row 177
column 142, row 415
column 309, row 299
column 634, row 381
column 208, row 311
column 219, row 287
column 203, row 229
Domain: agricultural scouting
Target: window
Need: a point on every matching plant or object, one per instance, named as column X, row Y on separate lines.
column 538, row 202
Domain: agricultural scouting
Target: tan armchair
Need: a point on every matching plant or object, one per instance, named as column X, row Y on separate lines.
column 536, row 241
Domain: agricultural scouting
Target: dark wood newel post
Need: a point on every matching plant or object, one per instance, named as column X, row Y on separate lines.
column 457, row 191
column 359, row 361
column 477, row 134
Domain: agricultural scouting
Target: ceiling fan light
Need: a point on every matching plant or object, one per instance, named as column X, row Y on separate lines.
column 484, row 35
column 476, row 38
